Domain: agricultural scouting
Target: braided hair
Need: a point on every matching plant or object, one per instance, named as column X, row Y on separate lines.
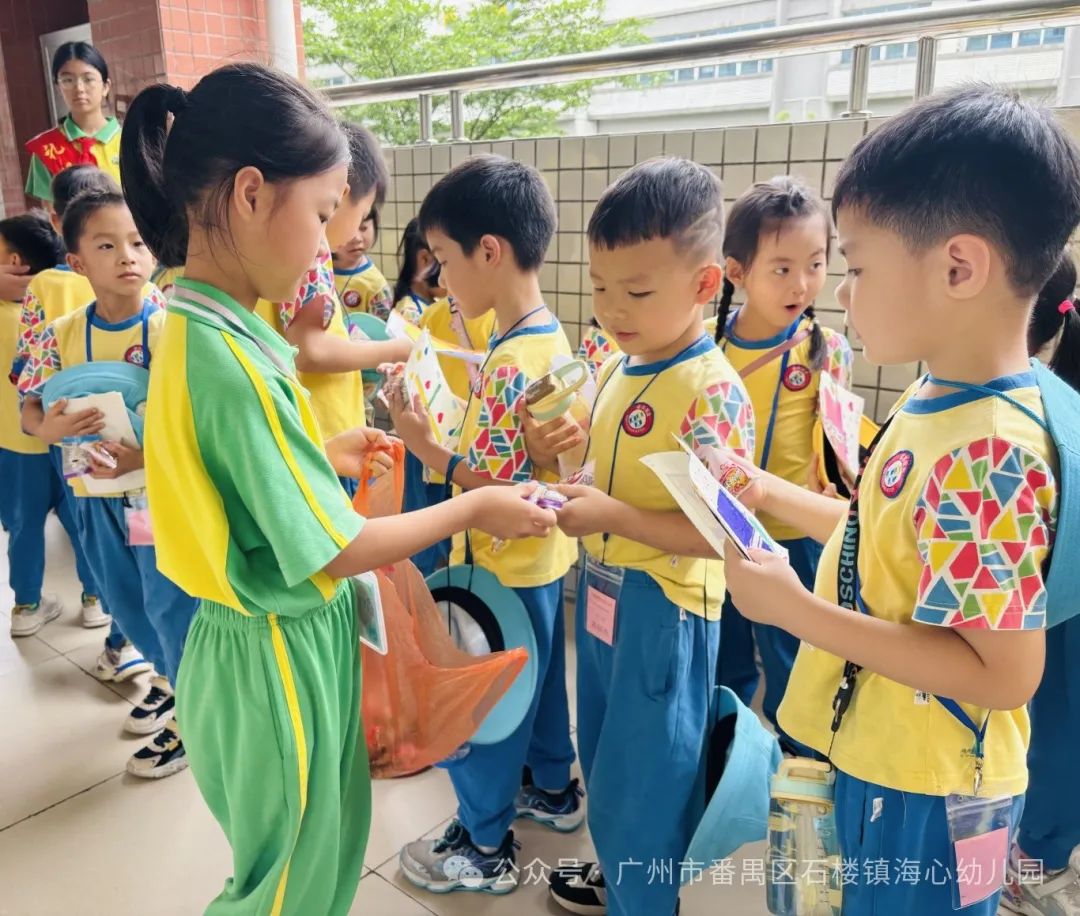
column 764, row 208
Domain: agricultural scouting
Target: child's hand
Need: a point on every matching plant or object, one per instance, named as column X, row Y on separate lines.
column 56, row 425
column 126, row 458
column 507, row 514
column 588, row 511
column 360, row 452
column 813, row 481
column 411, row 422
column 764, row 589
column 546, row 441
column 753, row 492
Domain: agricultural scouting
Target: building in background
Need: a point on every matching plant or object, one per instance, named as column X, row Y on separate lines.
column 1037, row 62
column 143, row 41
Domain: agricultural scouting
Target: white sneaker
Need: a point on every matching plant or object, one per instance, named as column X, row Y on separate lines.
column 121, row 664
column 93, row 614
column 27, row 619
column 162, row 756
column 1042, row 895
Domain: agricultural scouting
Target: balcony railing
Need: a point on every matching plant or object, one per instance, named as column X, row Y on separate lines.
column 926, row 25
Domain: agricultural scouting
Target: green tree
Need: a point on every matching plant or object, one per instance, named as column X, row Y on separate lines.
column 371, row 39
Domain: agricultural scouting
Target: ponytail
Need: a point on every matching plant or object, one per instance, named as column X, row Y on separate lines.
column 723, row 309
column 817, row 340
column 1066, row 359
column 408, row 250
column 1054, row 314
column 173, row 174
column 161, row 220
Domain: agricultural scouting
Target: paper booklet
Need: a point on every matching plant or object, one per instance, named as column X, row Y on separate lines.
column 117, row 429
column 424, row 379
column 398, row 328
column 841, row 418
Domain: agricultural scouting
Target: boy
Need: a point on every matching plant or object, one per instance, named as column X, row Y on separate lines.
column 489, row 222
column 119, row 326
column 648, row 627
column 329, row 362
column 942, row 548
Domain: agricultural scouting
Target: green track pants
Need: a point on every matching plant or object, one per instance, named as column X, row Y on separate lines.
column 270, row 708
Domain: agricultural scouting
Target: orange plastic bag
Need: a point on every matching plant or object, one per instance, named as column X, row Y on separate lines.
column 426, row 697
column 380, row 496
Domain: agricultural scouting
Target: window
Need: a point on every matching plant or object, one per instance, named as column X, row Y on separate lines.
column 746, row 68
column 1054, row 36
column 767, row 65
column 684, row 75
column 1029, row 39
column 1001, row 42
column 707, row 73
column 725, row 70
column 977, row 43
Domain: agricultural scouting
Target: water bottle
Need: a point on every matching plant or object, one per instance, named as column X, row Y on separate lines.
column 803, row 865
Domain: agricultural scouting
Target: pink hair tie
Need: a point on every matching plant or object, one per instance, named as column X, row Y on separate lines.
column 1066, row 306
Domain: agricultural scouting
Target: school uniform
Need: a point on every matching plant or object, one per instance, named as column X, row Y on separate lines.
column 66, row 145
column 784, row 393
column 247, row 512
column 152, row 612
column 596, row 348
column 412, row 307
column 336, row 397
column 956, row 512
column 645, row 681
column 492, row 444
column 424, row 487
column 363, row 288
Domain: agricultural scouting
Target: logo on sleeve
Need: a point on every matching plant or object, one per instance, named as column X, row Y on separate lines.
column 797, row 377
column 135, row 355
column 638, row 419
column 895, row 473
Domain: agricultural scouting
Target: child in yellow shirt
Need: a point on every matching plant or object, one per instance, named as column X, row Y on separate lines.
column 361, row 286
column 417, row 285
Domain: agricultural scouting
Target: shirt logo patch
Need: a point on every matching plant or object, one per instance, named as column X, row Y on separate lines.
column 895, row 473
column 638, row 419
column 351, row 298
column 797, row 377
column 135, row 355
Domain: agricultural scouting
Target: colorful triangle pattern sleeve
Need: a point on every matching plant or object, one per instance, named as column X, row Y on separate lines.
column 838, row 357
column 985, row 523
column 721, row 416
column 43, row 364
column 499, row 451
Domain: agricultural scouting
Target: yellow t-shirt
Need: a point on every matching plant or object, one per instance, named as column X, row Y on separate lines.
column 363, row 288
column 164, row 278
column 957, row 508
column 336, row 397
column 698, row 398
column 788, row 382
column 12, row 437
column 412, row 307
column 445, row 322
column 493, row 445
column 54, row 293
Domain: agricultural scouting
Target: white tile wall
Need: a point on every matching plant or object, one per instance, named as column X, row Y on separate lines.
column 577, row 169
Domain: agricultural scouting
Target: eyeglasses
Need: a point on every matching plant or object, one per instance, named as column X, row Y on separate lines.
column 70, row 82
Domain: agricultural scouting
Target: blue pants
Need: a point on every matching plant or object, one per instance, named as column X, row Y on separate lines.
column 488, row 779
column 1050, row 829
column 153, row 612
column 876, row 825
column 31, row 489
column 643, row 718
column 349, row 485
column 420, row 495
column 778, row 648
column 82, row 564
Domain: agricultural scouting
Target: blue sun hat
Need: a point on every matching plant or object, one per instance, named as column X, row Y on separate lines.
column 485, row 616
column 100, row 377
column 742, row 758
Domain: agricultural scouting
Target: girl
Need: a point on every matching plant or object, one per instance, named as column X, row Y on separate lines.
column 248, row 512
column 417, row 285
column 360, row 284
column 1043, row 872
column 87, row 134
column 776, row 246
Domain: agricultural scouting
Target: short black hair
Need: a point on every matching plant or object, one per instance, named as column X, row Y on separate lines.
column 76, row 180
column 32, row 237
column 493, row 195
column 976, row 160
column 367, row 168
column 663, row 198
column 82, row 208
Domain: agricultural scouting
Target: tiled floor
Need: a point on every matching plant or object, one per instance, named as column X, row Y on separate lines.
column 78, row 836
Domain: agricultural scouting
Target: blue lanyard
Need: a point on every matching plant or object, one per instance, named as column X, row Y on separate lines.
column 91, row 311
column 784, row 361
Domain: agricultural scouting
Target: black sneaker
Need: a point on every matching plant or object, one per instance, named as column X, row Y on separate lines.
column 153, row 711
column 453, row 863
column 161, row 757
column 580, row 889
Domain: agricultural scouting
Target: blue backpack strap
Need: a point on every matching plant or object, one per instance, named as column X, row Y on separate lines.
column 1061, row 406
